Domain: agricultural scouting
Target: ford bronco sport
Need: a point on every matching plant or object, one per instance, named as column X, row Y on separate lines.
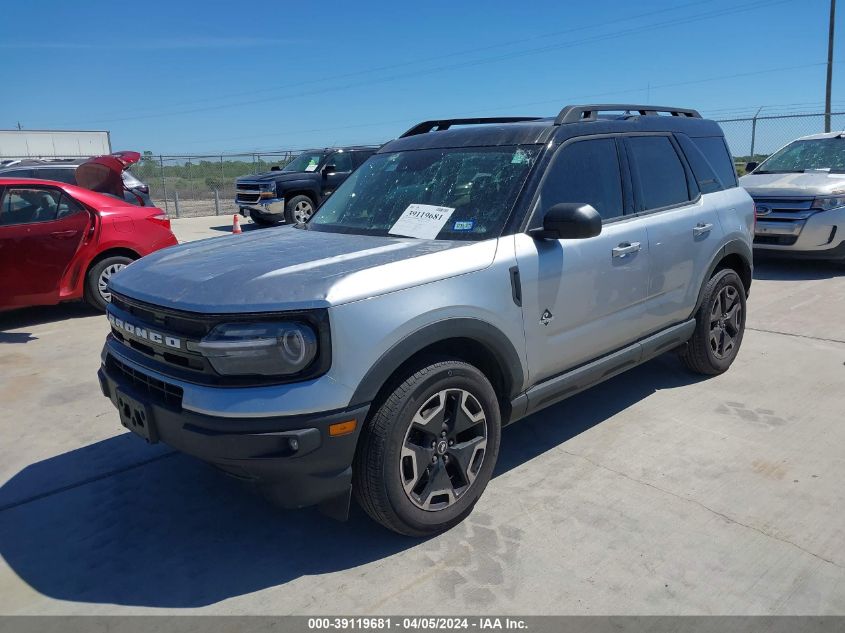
column 470, row 273
column 292, row 193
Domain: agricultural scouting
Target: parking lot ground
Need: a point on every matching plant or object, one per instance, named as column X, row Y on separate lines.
column 190, row 229
column 657, row 492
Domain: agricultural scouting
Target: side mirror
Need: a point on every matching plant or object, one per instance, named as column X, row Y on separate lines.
column 568, row 220
column 751, row 166
column 329, row 169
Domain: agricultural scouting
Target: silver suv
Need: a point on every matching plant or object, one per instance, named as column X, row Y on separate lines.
column 800, row 196
column 470, row 273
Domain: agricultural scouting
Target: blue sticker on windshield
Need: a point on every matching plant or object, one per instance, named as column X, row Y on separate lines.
column 464, row 225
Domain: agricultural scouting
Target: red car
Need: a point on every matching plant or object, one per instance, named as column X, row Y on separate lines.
column 60, row 242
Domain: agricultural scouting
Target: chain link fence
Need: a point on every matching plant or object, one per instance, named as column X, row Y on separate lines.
column 188, row 186
column 759, row 136
column 198, row 185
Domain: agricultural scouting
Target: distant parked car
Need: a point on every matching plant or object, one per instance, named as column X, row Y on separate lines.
column 292, row 193
column 60, row 242
column 799, row 193
column 127, row 187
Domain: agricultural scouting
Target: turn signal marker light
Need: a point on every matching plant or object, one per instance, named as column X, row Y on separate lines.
column 342, row 428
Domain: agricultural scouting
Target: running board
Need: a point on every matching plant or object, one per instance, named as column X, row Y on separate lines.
column 576, row 380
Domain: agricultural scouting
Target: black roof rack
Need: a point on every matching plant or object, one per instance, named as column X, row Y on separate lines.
column 576, row 114
column 445, row 124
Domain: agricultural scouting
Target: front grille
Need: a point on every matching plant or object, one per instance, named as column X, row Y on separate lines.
column 134, row 322
column 784, row 209
column 252, row 192
column 247, row 198
column 157, row 390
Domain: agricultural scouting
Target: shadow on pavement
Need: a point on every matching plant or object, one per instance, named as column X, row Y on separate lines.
column 172, row 532
column 245, row 226
column 39, row 315
column 770, row 268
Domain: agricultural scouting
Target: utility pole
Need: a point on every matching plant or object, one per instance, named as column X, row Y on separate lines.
column 829, row 66
column 20, row 127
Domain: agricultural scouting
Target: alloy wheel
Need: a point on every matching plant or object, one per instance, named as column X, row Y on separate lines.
column 302, row 211
column 443, row 449
column 103, row 281
column 725, row 322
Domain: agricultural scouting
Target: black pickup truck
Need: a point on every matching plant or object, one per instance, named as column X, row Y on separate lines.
column 292, row 193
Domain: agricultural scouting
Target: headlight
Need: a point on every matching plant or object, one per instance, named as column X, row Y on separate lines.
column 265, row 349
column 827, row 203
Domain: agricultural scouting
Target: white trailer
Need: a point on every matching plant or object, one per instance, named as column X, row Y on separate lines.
column 53, row 143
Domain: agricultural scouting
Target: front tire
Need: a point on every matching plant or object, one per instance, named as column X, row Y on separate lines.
column 299, row 210
column 428, row 451
column 720, row 326
column 96, row 293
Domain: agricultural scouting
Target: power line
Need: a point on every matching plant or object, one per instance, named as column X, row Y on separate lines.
column 451, row 55
column 560, row 101
column 612, row 35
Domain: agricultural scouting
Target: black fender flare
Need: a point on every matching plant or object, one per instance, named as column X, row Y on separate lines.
column 734, row 247
column 482, row 332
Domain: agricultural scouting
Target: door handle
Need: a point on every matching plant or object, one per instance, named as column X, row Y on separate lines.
column 701, row 229
column 626, row 248
column 64, row 235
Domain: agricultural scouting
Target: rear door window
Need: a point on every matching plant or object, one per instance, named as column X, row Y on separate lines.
column 17, row 173
column 342, row 161
column 659, row 177
column 587, row 172
column 60, row 175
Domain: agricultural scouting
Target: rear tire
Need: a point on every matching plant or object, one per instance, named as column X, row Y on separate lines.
column 429, row 449
column 96, row 280
column 720, row 326
column 263, row 220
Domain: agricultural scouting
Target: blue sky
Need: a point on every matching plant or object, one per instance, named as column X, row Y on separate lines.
column 212, row 76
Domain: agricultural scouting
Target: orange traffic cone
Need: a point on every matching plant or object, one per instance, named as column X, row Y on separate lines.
column 236, row 224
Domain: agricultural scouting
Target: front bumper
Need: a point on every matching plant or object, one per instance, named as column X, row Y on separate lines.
column 808, row 234
column 273, row 206
column 292, row 460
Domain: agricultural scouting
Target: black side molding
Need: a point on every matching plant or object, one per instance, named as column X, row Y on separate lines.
column 575, row 380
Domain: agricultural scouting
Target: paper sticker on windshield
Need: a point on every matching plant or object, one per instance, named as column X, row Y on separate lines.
column 422, row 221
column 311, row 167
column 520, row 157
column 463, row 225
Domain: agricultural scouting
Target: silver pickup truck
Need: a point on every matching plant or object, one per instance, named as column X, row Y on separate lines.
column 799, row 193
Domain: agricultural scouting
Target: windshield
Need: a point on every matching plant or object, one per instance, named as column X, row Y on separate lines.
column 450, row 194
column 818, row 153
column 307, row 161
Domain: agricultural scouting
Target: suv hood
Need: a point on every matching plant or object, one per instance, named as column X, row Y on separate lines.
column 104, row 174
column 289, row 269
column 806, row 184
column 279, row 176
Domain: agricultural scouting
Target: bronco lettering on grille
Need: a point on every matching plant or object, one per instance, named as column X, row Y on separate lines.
column 136, row 331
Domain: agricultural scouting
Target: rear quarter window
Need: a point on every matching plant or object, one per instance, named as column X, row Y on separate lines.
column 707, row 179
column 716, row 152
